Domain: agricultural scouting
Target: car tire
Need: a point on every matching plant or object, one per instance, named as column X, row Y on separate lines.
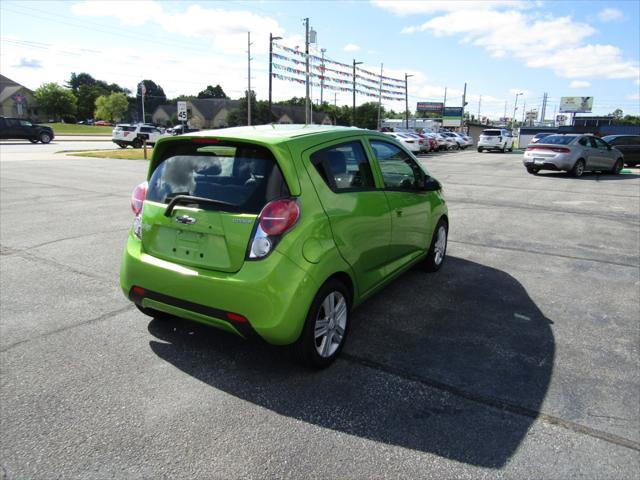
column 157, row 314
column 532, row 171
column 332, row 300
column 617, row 167
column 480, row 149
column 504, row 148
column 578, row 168
column 122, row 145
column 438, row 248
column 44, row 137
column 137, row 143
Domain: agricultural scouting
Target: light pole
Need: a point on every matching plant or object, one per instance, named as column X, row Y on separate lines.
column 248, row 78
column 353, row 113
column 406, row 101
column 322, row 77
column 271, row 39
column 515, row 107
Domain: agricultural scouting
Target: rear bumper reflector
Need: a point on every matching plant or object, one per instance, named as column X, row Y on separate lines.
column 239, row 322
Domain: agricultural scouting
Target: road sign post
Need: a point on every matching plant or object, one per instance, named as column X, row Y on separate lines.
column 182, row 111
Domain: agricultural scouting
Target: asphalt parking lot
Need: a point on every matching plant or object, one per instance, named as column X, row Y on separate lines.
column 519, row 359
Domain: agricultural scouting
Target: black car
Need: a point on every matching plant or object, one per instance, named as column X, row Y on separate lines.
column 18, row 128
column 629, row 145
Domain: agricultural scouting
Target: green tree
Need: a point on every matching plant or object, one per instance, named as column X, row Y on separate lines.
column 259, row 112
column 112, row 107
column 617, row 114
column 153, row 97
column 212, row 92
column 57, row 101
column 87, row 95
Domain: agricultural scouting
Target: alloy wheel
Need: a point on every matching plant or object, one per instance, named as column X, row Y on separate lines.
column 440, row 246
column 330, row 325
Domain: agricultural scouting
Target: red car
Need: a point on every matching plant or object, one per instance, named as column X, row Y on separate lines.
column 103, row 123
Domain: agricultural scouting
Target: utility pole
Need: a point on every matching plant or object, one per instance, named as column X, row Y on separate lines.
column 143, row 90
column 353, row 112
column 515, row 107
column 464, row 103
column 380, row 97
column 505, row 111
column 479, row 105
column 271, row 39
column 306, row 52
column 444, row 102
column 543, row 113
column 249, row 78
column 322, row 77
column 524, row 111
column 406, row 101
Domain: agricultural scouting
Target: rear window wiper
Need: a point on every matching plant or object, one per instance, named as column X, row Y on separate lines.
column 189, row 199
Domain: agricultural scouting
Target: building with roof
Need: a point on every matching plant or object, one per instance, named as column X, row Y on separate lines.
column 18, row 101
column 165, row 115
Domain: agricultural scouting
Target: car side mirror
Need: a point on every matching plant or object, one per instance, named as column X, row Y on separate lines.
column 430, row 184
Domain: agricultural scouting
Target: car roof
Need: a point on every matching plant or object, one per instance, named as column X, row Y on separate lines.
column 278, row 133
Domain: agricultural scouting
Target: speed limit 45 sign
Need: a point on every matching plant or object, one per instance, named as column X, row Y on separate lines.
column 182, row 111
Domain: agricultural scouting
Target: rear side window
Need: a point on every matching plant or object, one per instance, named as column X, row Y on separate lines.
column 246, row 176
column 344, row 167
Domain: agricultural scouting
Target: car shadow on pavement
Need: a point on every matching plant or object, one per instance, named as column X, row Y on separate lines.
column 456, row 363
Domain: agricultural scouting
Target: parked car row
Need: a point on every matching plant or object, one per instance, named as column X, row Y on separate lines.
column 431, row 141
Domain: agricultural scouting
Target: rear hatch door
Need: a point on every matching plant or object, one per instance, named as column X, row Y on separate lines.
column 220, row 189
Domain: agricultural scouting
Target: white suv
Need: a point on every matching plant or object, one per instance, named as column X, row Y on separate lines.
column 495, row 139
column 125, row 134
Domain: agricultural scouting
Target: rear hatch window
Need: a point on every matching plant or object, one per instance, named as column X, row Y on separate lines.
column 491, row 133
column 236, row 179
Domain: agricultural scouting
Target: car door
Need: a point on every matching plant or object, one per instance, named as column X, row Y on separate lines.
column 588, row 152
column 409, row 204
column 12, row 129
column 356, row 206
column 606, row 156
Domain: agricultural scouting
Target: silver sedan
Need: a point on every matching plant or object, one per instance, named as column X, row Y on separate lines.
column 573, row 153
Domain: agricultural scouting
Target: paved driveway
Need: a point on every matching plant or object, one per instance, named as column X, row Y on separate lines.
column 519, row 359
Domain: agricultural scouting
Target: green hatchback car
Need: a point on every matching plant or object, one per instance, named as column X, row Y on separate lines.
column 278, row 232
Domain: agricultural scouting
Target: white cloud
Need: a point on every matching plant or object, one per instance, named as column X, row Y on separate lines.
column 634, row 96
column 226, row 29
column 579, row 84
column 554, row 43
column 609, row 14
column 351, row 47
column 412, row 7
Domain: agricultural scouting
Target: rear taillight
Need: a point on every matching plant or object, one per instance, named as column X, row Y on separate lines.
column 137, row 197
column 553, row 149
column 277, row 218
column 137, row 201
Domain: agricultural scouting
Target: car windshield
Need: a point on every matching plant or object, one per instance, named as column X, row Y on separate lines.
column 491, row 133
column 244, row 175
column 559, row 139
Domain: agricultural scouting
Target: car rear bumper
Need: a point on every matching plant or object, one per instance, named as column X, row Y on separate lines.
column 559, row 162
column 273, row 295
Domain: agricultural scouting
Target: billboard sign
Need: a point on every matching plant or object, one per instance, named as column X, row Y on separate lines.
column 576, row 104
column 433, row 107
column 452, row 116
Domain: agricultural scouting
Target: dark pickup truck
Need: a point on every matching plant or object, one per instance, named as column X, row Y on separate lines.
column 18, row 128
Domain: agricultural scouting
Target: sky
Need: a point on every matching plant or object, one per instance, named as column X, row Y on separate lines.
column 499, row 48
